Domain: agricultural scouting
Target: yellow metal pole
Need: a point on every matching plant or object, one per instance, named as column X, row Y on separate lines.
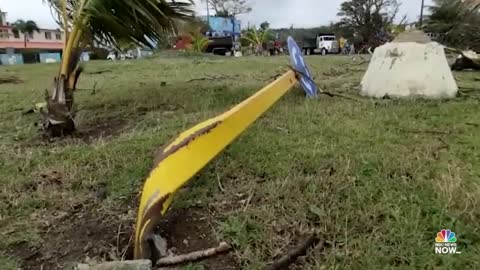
column 192, row 150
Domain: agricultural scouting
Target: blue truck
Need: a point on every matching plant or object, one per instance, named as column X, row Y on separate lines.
column 224, row 32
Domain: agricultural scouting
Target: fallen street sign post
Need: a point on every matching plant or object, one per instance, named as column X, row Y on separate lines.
column 195, row 148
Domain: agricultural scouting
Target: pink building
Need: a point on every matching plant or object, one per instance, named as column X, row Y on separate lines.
column 31, row 49
column 45, row 39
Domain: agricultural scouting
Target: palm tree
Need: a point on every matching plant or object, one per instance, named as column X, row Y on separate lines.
column 199, row 42
column 26, row 28
column 257, row 38
column 103, row 22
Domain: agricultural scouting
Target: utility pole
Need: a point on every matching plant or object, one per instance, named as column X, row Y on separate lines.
column 420, row 23
column 208, row 14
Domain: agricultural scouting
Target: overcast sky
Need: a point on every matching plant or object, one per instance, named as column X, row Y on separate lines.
column 280, row 13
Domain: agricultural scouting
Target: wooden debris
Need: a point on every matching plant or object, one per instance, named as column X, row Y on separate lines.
column 434, row 132
column 100, row 71
column 338, row 95
column 466, row 60
column 212, row 78
column 298, row 251
column 194, row 256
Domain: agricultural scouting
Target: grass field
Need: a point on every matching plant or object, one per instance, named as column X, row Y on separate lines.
column 377, row 178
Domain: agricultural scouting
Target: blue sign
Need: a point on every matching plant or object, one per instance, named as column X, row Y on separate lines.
column 306, row 79
column 11, row 59
column 50, row 57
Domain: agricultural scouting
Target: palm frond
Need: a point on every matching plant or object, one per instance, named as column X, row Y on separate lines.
column 142, row 22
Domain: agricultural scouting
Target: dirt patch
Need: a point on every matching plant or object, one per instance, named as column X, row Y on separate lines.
column 88, row 233
column 104, row 128
column 189, row 230
column 84, row 232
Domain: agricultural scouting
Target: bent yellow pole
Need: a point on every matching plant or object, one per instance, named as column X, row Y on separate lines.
column 192, row 150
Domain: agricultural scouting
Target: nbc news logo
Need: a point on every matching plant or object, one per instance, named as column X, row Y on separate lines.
column 446, row 243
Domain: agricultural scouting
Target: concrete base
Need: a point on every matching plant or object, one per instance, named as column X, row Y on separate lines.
column 404, row 69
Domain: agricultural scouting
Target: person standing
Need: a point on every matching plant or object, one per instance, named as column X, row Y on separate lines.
column 341, row 43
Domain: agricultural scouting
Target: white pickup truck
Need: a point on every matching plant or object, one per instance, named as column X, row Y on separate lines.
column 322, row 44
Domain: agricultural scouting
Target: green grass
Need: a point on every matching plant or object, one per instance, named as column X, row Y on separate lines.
column 362, row 173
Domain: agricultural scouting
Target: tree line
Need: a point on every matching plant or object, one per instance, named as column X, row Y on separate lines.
column 373, row 22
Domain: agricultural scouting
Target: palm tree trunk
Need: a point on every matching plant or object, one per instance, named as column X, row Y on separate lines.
column 25, row 40
column 58, row 119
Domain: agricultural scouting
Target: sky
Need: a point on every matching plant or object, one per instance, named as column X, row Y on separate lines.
column 280, row 13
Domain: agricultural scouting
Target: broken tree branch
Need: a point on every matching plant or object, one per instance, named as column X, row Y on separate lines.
column 338, row 95
column 435, row 132
column 194, row 256
column 100, row 71
column 211, row 78
column 298, row 251
column 219, row 182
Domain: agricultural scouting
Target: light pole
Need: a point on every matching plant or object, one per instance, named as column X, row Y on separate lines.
column 421, row 14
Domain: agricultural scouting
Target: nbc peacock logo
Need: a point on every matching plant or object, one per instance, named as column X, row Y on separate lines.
column 446, row 242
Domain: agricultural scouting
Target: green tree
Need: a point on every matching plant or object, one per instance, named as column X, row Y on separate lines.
column 457, row 23
column 142, row 22
column 264, row 26
column 369, row 21
column 227, row 8
column 26, row 28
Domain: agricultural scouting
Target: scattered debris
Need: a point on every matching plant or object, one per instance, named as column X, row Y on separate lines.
column 118, row 265
column 219, row 182
column 437, row 149
column 283, row 130
column 467, row 92
column 298, row 251
column 338, row 95
column 93, row 89
column 322, row 92
column 273, row 77
column 100, row 71
column 213, row 78
column 435, row 132
column 10, row 79
column 361, row 63
column 194, row 256
column 465, row 60
column 36, row 108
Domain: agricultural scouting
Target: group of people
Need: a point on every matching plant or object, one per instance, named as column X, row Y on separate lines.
column 346, row 47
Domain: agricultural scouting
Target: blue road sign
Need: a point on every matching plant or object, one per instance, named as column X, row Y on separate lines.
column 306, row 79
